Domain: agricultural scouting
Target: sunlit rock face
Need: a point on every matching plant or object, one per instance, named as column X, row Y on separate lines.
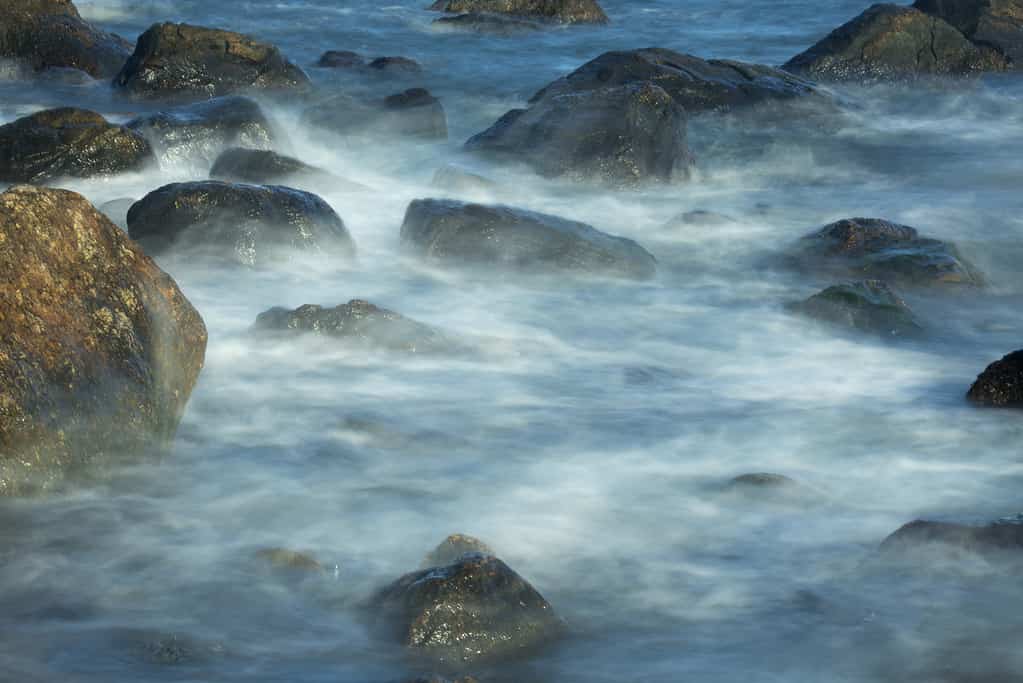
column 994, row 23
column 99, row 350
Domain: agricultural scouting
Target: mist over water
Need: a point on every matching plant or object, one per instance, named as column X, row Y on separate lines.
column 589, row 435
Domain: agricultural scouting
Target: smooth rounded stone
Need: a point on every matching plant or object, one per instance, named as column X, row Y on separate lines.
column 619, row 136
column 991, row 23
column 395, row 65
column 340, row 59
column 68, row 142
column 460, row 234
column 892, row 42
column 251, row 224
column 413, row 113
column 999, row 536
column 1001, row 384
column 179, row 60
column 198, row 133
column 117, row 211
column 865, row 306
column 491, row 24
column 290, row 560
column 558, row 11
column 47, row 34
column 877, row 249
column 700, row 218
column 99, row 350
column 454, row 548
column 456, row 179
column 359, row 322
column 474, row 610
column 698, row 85
column 769, row 487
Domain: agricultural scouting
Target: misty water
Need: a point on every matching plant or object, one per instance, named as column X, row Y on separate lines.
column 590, row 435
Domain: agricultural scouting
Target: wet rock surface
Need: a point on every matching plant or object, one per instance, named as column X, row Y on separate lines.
column 865, row 306
column 999, row 536
column 48, row 34
column 68, row 142
column 454, row 548
column 251, row 224
column 340, row 59
column 459, row 234
column 395, row 65
column 1001, row 384
column 198, row 133
column 618, row 136
column 562, row 11
column 492, row 24
column 474, row 610
column 99, row 350
column 357, row 322
column 992, row 23
column 184, row 61
column 890, row 42
column 259, row 167
column 413, row 113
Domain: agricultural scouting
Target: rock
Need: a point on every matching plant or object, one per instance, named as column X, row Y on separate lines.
column 198, row 133
column 890, row 42
column 47, row 34
column 414, row 113
column 396, row 65
column 700, row 217
column 491, row 24
column 993, row 23
column 259, row 166
column 68, row 142
column 618, row 136
column 341, row 59
column 179, row 60
column 99, row 350
column 281, row 558
column 865, row 306
column 1002, row 535
column 698, row 85
column 456, row 179
column 359, row 322
column 877, row 249
column 117, row 211
column 435, row 678
column 254, row 225
column 454, row 548
column 476, row 609
column 1001, row 384
column 460, row 234
column 761, row 481
column 559, row 11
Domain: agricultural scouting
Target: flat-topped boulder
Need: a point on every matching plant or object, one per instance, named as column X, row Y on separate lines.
column 68, row 142
column 865, row 306
column 251, row 224
column 892, row 42
column 698, row 85
column 51, row 34
column 1001, row 383
column 997, row 24
column 560, row 11
column 413, row 113
column 617, row 136
column 184, row 61
column 474, row 235
column 99, row 350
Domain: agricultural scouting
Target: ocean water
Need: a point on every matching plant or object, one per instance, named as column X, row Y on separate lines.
column 590, row 438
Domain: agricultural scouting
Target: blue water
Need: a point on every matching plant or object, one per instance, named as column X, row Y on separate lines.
column 588, row 440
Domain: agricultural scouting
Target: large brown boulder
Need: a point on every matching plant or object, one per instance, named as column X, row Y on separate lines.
column 561, row 11
column 993, row 23
column 51, row 34
column 68, row 142
column 1001, row 384
column 179, row 60
column 891, row 42
column 99, row 350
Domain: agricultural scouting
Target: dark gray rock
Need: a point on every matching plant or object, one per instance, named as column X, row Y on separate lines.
column 865, row 306
column 198, row 133
column 700, row 218
column 396, row 65
column 1001, row 384
column 454, row 548
column 259, row 167
column 254, row 225
column 413, row 113
column 761, row 481
column 183, row 61
column 560, row 11
column 1005, row 535
column 490, row 24
column 68, row 142
column 891, row 42
column 993, row 23
column 460, row 234
column 618, row 136
column 341, row 59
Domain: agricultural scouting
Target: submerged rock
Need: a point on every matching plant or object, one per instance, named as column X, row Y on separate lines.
column 460, row 234
column 454, row 548
column 49, row 34
column 473, row 610
column 68, row 142
column 700, row 217
column 892, row 42
column 561, row 11
column 198, row 133
column 99, row 350
column 696, row 84
column 198, row 62
column 357, row 321
column 762, row 481
column 414, row 112
column 254, row 225
column 456, row 179
column 493, row 24
column 395, row 65
column 290, row 560
column 340, row 59
column 877, row 249
column 865, row 306
column 1002, row 535
column 1001, row 384
column 259, row 167
column 618, row 136
column 988, row 23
